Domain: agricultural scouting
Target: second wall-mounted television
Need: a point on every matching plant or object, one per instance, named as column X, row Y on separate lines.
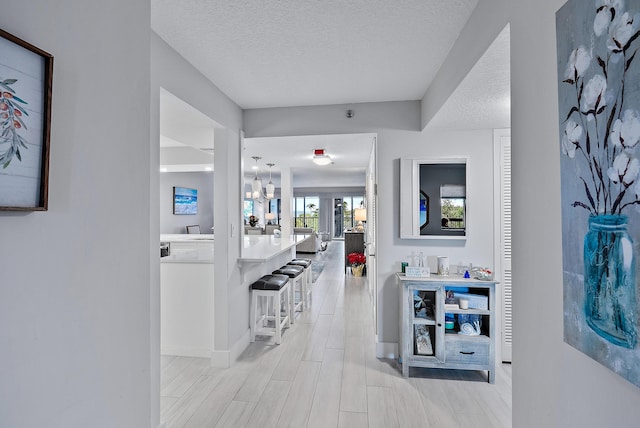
column 185, row 201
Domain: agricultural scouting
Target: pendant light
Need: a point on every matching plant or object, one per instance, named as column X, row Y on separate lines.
column 256, row 185
column 271, row 188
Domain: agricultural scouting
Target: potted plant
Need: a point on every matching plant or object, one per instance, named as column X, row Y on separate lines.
column 357, row 262
column 253, row 220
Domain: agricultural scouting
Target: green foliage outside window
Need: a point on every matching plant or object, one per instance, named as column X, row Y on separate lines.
column 452, row 209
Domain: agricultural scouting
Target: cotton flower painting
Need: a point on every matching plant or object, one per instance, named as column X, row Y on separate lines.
column 599, row 115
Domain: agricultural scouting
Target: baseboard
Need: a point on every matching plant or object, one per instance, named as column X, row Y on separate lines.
column 239, row 347
column 220, row 359
column 387, row 350
column 224, row 359
column 186, row 352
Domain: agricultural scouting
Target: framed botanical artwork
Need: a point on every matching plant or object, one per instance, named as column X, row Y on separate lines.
column 26, row 74
column 599, row 115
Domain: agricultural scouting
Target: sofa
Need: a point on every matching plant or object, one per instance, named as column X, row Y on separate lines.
column 310, row 245
column 269, row 228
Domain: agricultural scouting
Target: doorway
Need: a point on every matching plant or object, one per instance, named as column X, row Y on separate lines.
column 184, row 159
column 334, row 184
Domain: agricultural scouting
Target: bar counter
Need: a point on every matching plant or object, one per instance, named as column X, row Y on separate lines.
column 263, row 248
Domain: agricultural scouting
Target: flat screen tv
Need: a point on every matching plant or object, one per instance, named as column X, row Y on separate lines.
column 185, row 201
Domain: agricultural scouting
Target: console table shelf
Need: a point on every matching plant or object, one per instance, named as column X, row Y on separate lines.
column 425, row 341
column 353, row 243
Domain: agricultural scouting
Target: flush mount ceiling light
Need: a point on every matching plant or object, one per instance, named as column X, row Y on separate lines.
column 320, row 157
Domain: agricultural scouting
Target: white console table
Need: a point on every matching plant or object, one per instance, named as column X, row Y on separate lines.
column 442, row 347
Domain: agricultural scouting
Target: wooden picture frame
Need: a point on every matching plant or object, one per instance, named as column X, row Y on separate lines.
column 26, row 76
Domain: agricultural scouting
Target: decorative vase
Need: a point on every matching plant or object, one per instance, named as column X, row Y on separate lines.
column 357, row 270
column 609, row 280
column 443, row 266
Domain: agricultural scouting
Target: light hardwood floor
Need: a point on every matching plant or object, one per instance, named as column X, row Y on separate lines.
column 325, row 374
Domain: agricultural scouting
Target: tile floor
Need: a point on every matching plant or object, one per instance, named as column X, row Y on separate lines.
column 325, row 374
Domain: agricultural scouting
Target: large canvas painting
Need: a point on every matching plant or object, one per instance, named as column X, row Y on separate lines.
column 599, row 108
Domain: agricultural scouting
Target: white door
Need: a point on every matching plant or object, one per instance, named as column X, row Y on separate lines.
column 502, row 153
column 370, row 234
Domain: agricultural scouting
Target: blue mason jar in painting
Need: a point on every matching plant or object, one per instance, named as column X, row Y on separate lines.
column 609, row 280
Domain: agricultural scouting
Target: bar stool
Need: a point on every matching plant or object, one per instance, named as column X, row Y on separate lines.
column 295, row 274
column 308, row 278
column 274, row 287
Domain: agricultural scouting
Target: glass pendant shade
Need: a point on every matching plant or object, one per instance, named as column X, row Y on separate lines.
column 256, row 185
column 271, row 190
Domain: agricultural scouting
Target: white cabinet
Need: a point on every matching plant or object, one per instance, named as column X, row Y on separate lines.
column 433, row 334
column 186, row 296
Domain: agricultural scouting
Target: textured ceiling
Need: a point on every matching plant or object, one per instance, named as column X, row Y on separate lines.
column 483, row 98
column 303, row 52
column 294, row 53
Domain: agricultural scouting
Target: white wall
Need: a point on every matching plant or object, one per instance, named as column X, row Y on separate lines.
column 399, row 136
column 554, row 384
column 203, row 182
column 170, row 71
column 74, row 294
column 477, row 248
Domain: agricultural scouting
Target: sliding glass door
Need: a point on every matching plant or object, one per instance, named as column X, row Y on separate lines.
column 306, row 210
column 344, row 214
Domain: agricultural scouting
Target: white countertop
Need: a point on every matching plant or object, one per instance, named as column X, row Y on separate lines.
column 458, row 279
column 188, row 248
column 260, row 248
column 184, row 237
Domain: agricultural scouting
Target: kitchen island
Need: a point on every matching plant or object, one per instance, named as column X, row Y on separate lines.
column 189, row 293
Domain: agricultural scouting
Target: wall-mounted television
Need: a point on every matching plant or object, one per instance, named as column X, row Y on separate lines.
column 185, row 201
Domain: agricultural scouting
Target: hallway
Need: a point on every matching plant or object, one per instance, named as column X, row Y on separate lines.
column 325, row 374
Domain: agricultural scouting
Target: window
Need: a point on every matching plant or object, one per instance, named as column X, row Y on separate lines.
column 345, row 214
column 306, row 211
column 452, row 206
column 274, row 208
column 247, row 209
